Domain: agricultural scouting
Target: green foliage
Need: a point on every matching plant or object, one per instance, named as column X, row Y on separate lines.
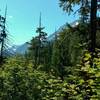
column 54, row 70
column 86, row 81
column 84, row 84
column 68, row 5
column 68, row 48
column 83, row 7
column 18, row 81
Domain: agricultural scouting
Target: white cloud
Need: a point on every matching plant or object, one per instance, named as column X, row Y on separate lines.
column 10, row 17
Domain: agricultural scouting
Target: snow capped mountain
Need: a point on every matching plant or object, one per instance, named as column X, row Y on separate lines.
column 52, row 36
column 17, row 49
column 11, row 50
column 21, row 49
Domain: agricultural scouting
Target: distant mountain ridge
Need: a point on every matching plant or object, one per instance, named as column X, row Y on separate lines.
column 18, row 49
column 21, row 49
column 60, row 29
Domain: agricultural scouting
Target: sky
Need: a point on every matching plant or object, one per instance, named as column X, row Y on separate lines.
column 23, row 18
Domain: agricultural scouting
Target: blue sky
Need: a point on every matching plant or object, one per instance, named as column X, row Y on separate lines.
column 23, row 18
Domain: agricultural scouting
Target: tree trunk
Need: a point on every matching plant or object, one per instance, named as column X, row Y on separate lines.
column 93, row 25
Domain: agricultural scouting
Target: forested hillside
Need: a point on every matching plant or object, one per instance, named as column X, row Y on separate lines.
column 66, row 67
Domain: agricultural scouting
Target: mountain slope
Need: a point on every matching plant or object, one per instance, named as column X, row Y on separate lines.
column 22, row 48
column 17, row 49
